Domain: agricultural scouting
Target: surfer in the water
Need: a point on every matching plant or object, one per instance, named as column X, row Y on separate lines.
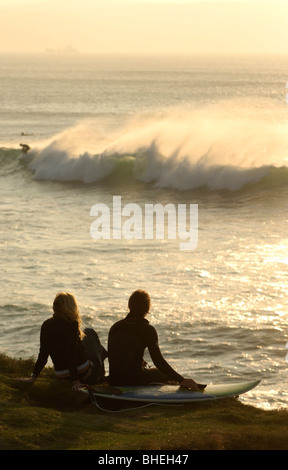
column 127, row 341
column 25, row 148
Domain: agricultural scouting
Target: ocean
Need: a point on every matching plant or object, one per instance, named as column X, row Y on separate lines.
column 207, row 132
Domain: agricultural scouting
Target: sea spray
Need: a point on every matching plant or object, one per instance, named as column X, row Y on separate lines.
column 219, row 147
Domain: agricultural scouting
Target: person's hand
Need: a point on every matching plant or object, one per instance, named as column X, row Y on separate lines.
column 27, row 379
column 76, row 385
column 201, row 386
column 190, row 384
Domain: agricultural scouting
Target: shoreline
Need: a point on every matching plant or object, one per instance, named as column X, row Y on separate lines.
column 47, row 415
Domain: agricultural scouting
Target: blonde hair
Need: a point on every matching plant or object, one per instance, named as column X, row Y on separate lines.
column 66, row 308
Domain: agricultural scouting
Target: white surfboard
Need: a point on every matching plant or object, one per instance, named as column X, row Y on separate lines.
column 170, row 393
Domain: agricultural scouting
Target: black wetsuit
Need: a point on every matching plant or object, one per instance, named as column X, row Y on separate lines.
column 128, row 338
column 72, row 357
column 60, row 340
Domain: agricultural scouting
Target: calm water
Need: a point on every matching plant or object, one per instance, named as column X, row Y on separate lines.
column 206, row 131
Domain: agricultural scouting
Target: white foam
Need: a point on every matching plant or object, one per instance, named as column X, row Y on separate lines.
column 218, row 147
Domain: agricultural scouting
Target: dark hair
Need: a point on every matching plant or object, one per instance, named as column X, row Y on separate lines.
column 139, row 303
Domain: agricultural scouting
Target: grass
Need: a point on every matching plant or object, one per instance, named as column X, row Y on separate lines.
column 47, row 415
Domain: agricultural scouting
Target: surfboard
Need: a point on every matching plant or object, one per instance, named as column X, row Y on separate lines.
column 160, row 393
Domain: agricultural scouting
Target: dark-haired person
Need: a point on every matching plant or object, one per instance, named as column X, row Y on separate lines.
column 77, row 355
column 127, row 341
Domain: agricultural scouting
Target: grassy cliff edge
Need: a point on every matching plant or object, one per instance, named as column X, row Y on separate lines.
column 47, row 415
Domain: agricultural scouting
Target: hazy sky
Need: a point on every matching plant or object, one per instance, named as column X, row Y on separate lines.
column 144, row 26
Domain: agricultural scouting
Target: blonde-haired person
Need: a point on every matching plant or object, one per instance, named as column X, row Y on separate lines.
column 77, row 355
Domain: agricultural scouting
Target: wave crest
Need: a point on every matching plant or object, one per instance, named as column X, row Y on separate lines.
column 222, row 151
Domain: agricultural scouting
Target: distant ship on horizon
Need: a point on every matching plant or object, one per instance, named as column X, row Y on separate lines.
column 66, row 50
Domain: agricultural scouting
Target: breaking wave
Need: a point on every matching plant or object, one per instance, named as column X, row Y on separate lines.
column 216, row 150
